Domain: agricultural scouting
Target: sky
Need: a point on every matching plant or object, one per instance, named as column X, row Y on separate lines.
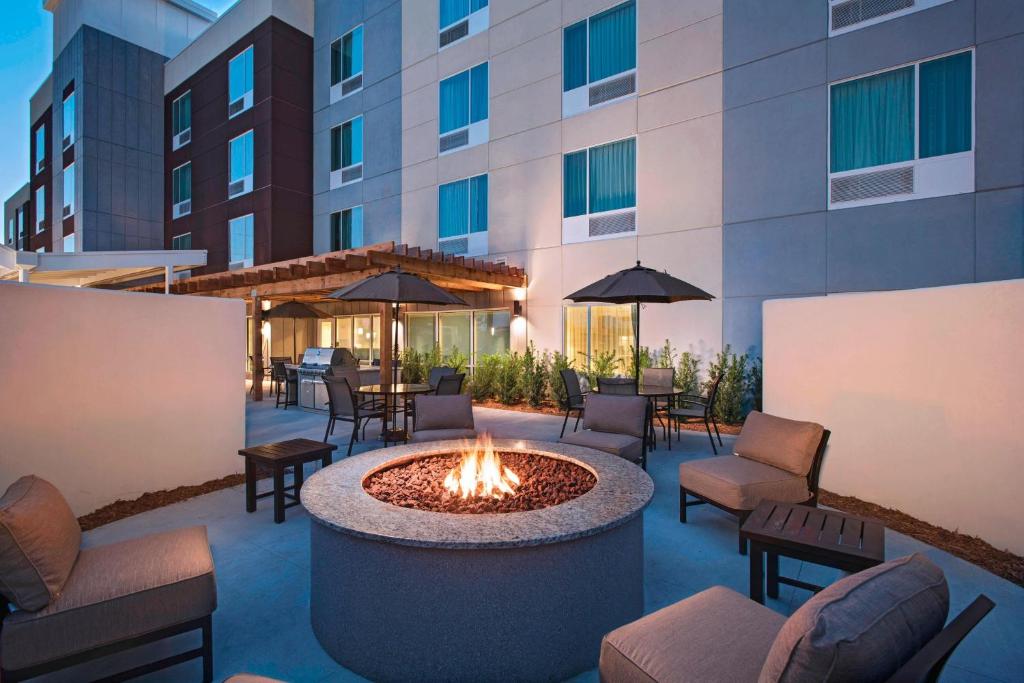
column 26, row 54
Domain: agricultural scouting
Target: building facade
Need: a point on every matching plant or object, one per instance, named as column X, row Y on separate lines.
column 238, row 142
column 17, row 212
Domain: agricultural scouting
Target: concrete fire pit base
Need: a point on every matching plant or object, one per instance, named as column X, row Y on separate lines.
column 401, row 594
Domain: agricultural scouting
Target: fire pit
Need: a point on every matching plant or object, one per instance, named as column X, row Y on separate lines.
column 454, row 561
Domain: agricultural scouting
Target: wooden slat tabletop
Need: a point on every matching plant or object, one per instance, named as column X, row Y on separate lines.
column 285, row 450
column 786, row 524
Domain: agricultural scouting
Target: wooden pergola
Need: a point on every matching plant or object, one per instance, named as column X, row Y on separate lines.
column 312, row 278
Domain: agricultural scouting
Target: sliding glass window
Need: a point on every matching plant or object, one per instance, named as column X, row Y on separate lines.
column 592, row 330
column 240, row 82
column 599, row 179
column 599, row 47
column 347, row 228
column 463, row 98
column 462, row 207
column 240, row 235
column 452, row 11
column 68, row 120
column 347, row 56
column 347, row 144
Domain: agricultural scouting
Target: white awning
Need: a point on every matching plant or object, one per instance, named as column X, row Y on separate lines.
column 93, row 268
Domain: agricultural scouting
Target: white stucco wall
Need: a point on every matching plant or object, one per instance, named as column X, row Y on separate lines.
column 109, row 395
column 922, row 390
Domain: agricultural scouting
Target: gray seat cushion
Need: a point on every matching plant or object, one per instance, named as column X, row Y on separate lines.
column 863, row 627
column 39, row 541
column 741, row 484
column 444, row 412
column 422, row 435
column 787, row 444
column 629, row 447
column 615, row 414
column 715, row 635
column 116, row 592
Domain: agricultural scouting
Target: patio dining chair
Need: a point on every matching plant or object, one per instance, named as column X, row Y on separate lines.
column 277, row 372
column 575, row 397
column 622, row 386
column 659, row 378
column 342, row 406
column 450, row 385
column 435, row 375
column 291, row 389
column 698, row 408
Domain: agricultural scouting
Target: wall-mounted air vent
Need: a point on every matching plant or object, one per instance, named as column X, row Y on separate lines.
column 459, row 138
column 183, row 208
column 351, row 173
column 849, row 15
column 457, row 246
column 236, row 106
column 453, row 33
column 182, row 138
column 67, row 211
column 612, row 89
column 351, row 85
column 236, row 188
column 872, row 184
column 612, row 223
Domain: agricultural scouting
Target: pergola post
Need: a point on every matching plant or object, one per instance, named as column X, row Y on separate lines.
column 168, row 276
column 257, row 348
column 386, row 341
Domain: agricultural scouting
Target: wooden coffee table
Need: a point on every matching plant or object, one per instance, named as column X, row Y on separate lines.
column 278, row 457
column 809, row 534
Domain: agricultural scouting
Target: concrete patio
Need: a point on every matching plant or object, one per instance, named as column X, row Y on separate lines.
column 262, row 622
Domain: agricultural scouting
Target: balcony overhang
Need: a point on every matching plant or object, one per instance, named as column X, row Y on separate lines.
column 96, row 268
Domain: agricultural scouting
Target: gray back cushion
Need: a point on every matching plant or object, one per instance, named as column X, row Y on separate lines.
column 39, row 541
column 786, row 444
column 444, row 412
column 862, row 628
column 615, row 414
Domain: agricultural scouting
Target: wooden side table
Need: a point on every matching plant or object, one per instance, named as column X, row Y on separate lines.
column 278, row 457
column 825, row 537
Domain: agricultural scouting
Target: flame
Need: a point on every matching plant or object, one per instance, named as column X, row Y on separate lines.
column 480, row 473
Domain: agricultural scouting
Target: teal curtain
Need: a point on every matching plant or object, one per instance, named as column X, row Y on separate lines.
column 182, row 184
column 336, row 236
column 873, row 120
column 336, row 148
column 945, row 105
column 478, row 93
column 181, row 115
column 352, row 53
column 474, row 5
column 574, row 56
column 613, row 176
column 352, row 142
column 478, row 203
column 240, row 75
column 574, row 184
column 350, row 226
column 454, row 93
column 453, row 10
column 613, row 41
column 453, row 209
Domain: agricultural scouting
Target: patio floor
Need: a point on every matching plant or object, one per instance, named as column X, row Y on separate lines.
column 262, row 622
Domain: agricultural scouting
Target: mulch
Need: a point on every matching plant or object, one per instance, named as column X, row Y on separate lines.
column 120, row 509
column 970, row 548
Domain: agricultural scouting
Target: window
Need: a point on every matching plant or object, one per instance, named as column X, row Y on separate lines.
column 69, row 191
column 463, row 109
column 68, row 120
column 473, row 333
column 347, row 152
column 455, row 332
column 360, row 333
column 599, row 192
column 240, row 82
column 599, row 59
column 347, row 228
column 593, row 330
column 903, row 124
column 420, row 331
column 181, row 190
column 10, row 230
column 181, row 121
column 347, row 64
column 461, row 18
column 240, row 238
column 41, row 250
column 491, row 332
column 326, row 333
column 40, row 208
column 40, row 147
column 462, row 216
column 69, row 243
column 240, row 165
column 182, row 241
column 21, row 221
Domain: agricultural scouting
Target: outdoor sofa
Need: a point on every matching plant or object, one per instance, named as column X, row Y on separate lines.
column 615, row 424
column 882, row 624
column 442, row 417
column 773, row 459
column 74, row 604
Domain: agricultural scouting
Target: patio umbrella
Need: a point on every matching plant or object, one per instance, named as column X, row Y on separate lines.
column 397, row 287
column 639, row 285
column 294, row 309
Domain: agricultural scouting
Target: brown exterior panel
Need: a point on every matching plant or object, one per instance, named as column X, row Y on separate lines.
column 43, row 178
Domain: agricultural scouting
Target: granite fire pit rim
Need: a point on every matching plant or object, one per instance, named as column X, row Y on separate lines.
column 335, row 497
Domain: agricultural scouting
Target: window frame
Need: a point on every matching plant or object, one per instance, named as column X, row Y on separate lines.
column 337, row 86
column 64, row 244
column 176, row 212
column 247, row 96
column 471, row 353
column 337, row 233
column 477, row 132
column 478, row 21
column 40, row 208
column 590, row 327
column 337, row 174
column 40, row 135
column 243, row 262
column 916, row 160
column 176, row 135
column 247, row 180
column 64, row 121
column 588, row 214
column 177, row 239
column 476, row 240
column 569, row 105
column 70, row 168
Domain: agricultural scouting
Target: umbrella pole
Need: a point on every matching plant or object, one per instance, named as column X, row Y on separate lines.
column 394, row 333
column 636, row 348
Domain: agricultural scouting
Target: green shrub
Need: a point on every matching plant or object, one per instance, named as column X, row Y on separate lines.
column 535, row 375
column 413, row 370
column 665, row 357
column 555, row 385
column 733, row 390
column 646, row 361
column 688, row 373
column 434, row 358
column 509, row 382
column 755, row 383
column 455, row 359
column 483, row 384
column 603, row 365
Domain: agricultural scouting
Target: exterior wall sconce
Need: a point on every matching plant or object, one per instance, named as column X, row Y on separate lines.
column 517, row 309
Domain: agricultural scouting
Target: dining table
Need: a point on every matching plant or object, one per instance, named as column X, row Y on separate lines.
column 396, row 396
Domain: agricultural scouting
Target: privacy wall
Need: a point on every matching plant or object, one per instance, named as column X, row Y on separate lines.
column 922, row 391
column 109, row 395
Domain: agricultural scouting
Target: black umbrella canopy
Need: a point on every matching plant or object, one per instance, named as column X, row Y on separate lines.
column 294, row 309
column 639, row 285
column 397, row 287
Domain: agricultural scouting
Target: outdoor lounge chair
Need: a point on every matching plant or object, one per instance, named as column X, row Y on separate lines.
column 882, row 624
column 616, row 425
column 698, row 408
column 438, row 418
column 774, row 459
column 574, row 397
column 76, row 604
column 342, row 406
